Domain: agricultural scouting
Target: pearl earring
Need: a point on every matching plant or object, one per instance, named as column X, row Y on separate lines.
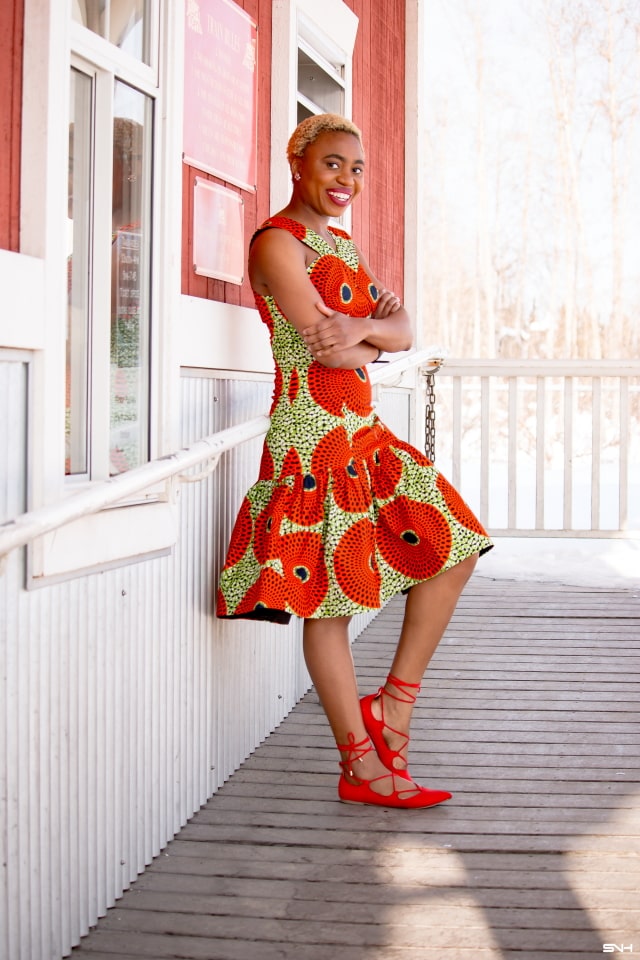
column 296, row 176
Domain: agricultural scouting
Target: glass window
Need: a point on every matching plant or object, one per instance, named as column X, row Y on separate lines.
column 124, row 23
column 130, row 279
column 321, row 86
column 109, row 246
column 78, row 273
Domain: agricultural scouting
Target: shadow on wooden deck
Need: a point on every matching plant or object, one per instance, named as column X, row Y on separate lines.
column 529, row 716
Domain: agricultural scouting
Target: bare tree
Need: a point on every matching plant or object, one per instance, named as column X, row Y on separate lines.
column 484, row 300
column 619, row 105
column 531, row 190
column 566, row 23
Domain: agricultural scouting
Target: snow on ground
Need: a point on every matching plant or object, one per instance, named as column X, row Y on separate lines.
column 581, row 562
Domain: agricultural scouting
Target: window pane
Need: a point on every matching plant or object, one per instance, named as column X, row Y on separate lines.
column 130, row 278
column 91, row 14
column 123, row 22
column 78, row 274
column 319, row 90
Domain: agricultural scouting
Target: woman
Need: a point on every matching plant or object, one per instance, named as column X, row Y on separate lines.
column 344, row 515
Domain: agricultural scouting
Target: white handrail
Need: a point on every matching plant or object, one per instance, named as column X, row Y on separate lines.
column 28, row 526
column 431, row 359
column 97, row 496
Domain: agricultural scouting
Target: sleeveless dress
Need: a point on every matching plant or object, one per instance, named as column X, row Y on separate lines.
column 344, row 515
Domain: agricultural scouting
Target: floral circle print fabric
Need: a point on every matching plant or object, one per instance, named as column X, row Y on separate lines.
column 344, row 514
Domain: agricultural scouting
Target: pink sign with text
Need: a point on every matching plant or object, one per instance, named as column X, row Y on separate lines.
column 220, row 91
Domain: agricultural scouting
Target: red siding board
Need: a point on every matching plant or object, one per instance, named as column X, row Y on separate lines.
column 378, row 109
column 11, row 41
column 362, row 117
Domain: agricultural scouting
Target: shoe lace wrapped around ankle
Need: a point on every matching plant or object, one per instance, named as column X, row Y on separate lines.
column 356, row 752
column 407, row 696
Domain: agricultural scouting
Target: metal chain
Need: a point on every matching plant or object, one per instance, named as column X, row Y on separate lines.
column 430, row 413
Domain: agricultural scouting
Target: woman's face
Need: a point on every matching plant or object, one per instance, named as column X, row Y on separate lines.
column 331, row 173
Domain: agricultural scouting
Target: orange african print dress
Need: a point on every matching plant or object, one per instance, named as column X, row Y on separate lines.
column 344, row 514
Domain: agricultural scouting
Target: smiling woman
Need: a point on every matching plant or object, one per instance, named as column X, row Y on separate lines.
column 329, row 165
column 344, row 514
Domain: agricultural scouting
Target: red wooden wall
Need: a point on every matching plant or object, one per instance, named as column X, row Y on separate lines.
column 11, row 33
column 378, row 109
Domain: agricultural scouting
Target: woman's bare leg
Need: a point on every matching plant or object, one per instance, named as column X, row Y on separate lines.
column 327, row 653
column 429, row 608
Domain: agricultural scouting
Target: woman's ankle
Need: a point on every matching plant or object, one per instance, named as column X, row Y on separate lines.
column 397, row 713
column 369, row 766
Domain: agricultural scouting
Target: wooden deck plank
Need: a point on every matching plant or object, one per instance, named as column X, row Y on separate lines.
column 529, row 715
column 367, row 891
column 317, row 921
column 193, row 948
column 516, row 874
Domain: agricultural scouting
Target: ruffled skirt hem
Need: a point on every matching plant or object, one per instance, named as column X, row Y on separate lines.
column 345, row 539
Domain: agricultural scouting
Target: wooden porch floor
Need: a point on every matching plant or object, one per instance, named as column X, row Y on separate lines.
column 529, row 716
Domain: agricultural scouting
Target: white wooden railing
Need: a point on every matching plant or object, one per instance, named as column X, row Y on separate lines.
column 543, row 447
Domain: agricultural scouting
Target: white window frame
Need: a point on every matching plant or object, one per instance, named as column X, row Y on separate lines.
column 52, row 44
column 104, row 62
column 326, row 27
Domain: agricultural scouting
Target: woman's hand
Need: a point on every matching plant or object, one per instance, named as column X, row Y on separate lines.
column 387, row 304
column 333, row 332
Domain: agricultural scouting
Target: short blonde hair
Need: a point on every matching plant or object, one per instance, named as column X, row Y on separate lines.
column 310, row 129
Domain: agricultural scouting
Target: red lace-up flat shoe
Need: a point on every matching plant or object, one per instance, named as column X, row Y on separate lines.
column 406, row 794
column 375, row 727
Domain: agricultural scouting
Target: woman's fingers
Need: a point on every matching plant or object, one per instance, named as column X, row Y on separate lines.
column 321, row 327
column 321, row 307
column 387, row 304
column 335, row 332
column 320, row 333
